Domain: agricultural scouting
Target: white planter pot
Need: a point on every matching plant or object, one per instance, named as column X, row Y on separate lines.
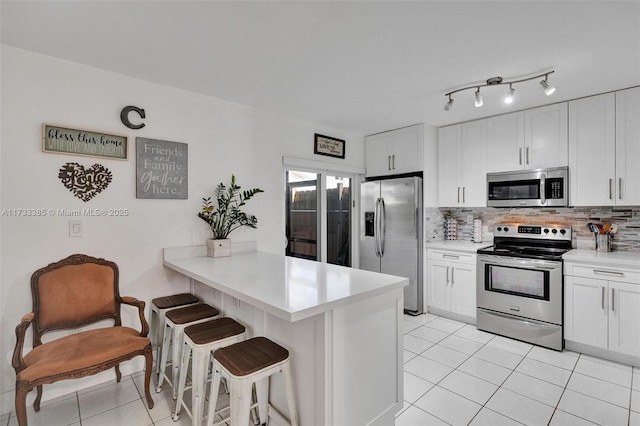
column 218, row 248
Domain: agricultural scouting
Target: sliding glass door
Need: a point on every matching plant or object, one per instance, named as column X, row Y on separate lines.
column 319, row 208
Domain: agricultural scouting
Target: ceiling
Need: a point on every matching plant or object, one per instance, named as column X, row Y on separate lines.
column 364, row 66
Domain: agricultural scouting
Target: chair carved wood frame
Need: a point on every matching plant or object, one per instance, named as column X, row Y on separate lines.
column 75, row 292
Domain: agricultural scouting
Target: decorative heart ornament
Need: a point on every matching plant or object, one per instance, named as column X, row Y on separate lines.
column 85, row 183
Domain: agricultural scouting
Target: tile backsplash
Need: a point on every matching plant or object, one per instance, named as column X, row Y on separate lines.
column 626, row 239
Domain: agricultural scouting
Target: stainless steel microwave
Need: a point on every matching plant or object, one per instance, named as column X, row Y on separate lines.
column 529, row 188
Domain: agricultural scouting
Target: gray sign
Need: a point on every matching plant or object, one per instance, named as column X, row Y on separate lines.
column 161, row 169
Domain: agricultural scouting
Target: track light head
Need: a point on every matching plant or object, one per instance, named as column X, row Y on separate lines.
column 508, row 99
column 479, row 101
column 449, row 104
column 548, row 89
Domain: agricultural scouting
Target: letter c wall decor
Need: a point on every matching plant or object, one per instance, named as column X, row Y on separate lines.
column 124, row 116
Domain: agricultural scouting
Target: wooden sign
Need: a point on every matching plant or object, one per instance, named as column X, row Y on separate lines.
column 161, row 169
column 325, row 145
column 64, row 140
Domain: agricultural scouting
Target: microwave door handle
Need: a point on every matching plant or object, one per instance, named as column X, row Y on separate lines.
column 543, row 190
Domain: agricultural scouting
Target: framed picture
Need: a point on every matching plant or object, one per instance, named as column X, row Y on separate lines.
column 162, row 169
column 65, row 140
column 326, row 145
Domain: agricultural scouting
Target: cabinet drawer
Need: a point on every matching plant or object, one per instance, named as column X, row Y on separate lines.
column 452, row 256
column 602, row 273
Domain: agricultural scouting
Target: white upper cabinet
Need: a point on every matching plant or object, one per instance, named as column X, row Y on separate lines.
column 461, row 165
column 628, row 147
column 506, row 143
column 604, row 149
column 592, row 151
column 395, row 152
column 531, row 139
column 546, row 137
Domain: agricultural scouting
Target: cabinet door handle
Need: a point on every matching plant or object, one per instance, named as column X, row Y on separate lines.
column 613, row 300
column 527, row 156
column 450, row 256
column 388, row 162
column 520, row 156
column 393, row 161
column 603, row 272
column 452, row 269
column 620, row 188
column 447, row 275
column 602, row 298
column 458, row 194
column 610, row 189
column 463, row 194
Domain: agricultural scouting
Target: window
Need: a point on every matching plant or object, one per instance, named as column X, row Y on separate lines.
column 319, row 209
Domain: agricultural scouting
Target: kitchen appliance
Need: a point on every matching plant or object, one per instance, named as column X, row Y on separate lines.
column 520, row 283
column 391, row 233
column 529, row 188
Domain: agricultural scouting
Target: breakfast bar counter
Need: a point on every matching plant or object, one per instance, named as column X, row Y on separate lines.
column 342, row 326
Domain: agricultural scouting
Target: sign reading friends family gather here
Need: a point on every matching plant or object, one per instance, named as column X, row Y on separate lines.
column 161, row 169
column 64, row 140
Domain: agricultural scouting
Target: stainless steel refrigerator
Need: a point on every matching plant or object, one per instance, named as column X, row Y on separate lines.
column 391, row 233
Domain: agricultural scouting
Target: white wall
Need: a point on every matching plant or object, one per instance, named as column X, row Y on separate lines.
column 223, row 138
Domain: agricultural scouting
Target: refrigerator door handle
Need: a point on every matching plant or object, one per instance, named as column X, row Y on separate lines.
column 383, row 226
column 376, row 226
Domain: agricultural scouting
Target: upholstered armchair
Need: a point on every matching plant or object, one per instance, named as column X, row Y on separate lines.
column 69, row 294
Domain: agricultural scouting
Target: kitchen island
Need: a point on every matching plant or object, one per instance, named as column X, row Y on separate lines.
column 342, row 326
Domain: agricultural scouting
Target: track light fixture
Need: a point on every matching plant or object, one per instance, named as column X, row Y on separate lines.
column 449, row 104
column 497, row 81
column 479, row 101
column 509, row 98
column 548, row 89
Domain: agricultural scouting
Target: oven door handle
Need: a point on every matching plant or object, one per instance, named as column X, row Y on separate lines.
column 546, row 265
column 543, row 188
column 529, row 322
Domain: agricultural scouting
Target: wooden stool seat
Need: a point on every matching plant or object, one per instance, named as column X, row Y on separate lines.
column 199, row 341
column 250, row 356
column 210, row 331
column 175, row 300
column 192, row 313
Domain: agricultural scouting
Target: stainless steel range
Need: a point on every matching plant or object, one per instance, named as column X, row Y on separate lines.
column 519, row 285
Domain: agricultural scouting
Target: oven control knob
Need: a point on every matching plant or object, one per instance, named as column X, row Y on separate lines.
column 546, row 230
column 499, row 228
column 555, row 231
column 562, row 231
column 506, row 229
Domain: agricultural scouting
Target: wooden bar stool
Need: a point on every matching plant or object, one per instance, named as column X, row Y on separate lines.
column 201, row 339
column 176, row 321
column 243, row 365
column 157, row 319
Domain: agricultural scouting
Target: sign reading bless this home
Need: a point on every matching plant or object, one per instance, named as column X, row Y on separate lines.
column 161, row 169
column 64, row 140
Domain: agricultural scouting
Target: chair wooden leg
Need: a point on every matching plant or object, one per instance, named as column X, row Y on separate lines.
column 148, row 356
column 21, row 403
column 36, row 403
column 118, row 374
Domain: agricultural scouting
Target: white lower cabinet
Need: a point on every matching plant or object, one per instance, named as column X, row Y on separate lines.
column 451, row 283
column 602, row 307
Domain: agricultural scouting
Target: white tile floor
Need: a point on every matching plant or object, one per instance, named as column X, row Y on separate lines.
column 454, row 374
column 457, row 375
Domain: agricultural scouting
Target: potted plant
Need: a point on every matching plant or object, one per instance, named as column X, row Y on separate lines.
column 225, row 215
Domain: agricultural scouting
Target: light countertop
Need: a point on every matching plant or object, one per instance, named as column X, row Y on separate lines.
column 287, row 287
column 464, row 246
column 626, row 259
